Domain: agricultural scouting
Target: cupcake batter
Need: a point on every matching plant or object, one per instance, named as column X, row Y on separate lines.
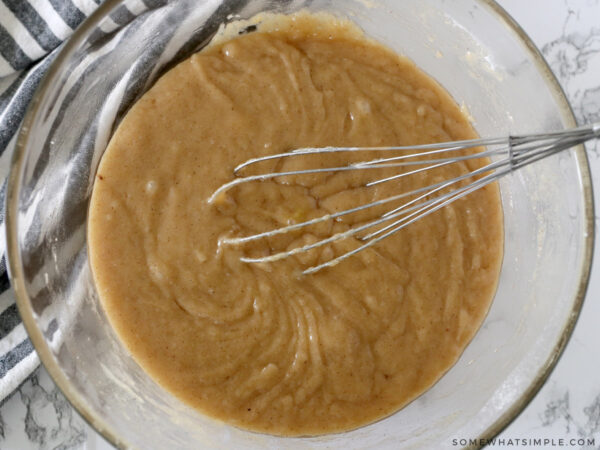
column 261, row 346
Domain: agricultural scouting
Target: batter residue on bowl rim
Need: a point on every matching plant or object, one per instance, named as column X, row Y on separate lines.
column 260, row 346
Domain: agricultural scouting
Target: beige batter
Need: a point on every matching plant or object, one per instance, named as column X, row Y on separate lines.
column 261, row 346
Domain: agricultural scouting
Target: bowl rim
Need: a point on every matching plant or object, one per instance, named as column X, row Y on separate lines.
column 14, row 261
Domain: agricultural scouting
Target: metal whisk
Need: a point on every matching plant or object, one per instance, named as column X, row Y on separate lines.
column 508, row 153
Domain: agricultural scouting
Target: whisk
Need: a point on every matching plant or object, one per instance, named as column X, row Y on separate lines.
column 506, row 154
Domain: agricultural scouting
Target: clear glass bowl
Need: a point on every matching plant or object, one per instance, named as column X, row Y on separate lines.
column 470, row 46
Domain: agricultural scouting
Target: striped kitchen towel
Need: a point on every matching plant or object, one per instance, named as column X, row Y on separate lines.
column 31, row 32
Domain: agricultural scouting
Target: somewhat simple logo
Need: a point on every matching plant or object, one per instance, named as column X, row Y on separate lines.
column 528, row 442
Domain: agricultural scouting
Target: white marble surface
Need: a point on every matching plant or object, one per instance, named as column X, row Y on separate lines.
column 568, row 407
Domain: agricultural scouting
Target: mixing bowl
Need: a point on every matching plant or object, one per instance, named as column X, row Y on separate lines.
column 471, row 47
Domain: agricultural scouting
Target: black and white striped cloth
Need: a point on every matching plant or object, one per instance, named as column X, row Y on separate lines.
column 31, row 32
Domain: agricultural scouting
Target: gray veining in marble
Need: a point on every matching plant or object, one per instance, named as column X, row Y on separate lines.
column 574, row 58
column 40, row 412
column 557, row 414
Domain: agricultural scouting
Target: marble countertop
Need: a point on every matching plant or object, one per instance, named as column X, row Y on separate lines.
column 566, row 411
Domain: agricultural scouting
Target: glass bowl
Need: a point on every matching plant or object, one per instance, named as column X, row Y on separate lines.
column 472, row 47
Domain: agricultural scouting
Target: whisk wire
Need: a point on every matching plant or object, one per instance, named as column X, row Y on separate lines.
column 411, row 206
column 518, row 151
column 405, row 222
column 428, row 189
